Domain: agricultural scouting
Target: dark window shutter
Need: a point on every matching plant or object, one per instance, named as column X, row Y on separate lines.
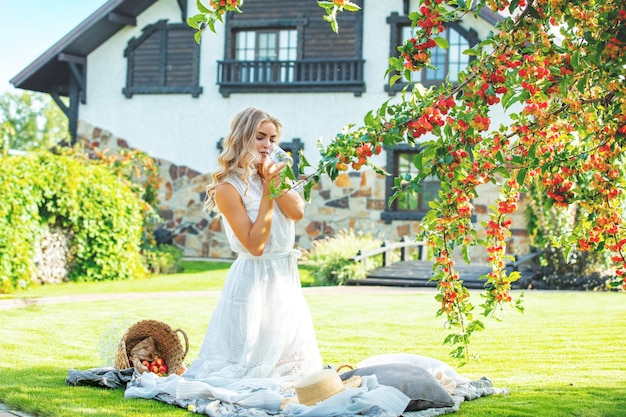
column 180, row 58
column 146, row 61
column 165, row 59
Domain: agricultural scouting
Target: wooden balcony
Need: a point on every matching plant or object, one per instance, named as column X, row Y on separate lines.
column 336, row 75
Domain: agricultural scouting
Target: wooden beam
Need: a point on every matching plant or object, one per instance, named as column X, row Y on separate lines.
column 80, row 76
column 122, row 19
column 76, row 59
column 57, row 99
column 76, row 73
column 74, row 95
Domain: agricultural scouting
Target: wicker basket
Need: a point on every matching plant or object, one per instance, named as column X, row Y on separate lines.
column 166, row 341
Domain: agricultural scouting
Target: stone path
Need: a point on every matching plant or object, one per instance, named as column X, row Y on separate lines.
column 6, row 412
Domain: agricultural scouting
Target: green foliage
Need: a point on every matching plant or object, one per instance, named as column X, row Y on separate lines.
column 103, row 214
column 329, row 259
column 563, row 267
column 30, row 121
column 163, row 259
column 137, row 170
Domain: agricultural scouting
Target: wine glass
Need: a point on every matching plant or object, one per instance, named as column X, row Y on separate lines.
column 278, row 155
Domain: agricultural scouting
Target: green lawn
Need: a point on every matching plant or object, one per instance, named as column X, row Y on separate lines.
column 563, row 357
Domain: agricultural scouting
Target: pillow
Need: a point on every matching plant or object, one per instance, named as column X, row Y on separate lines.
column 432, row 365
column 415, row 382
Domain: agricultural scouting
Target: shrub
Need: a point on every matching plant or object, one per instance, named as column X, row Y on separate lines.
column 162, row 259
column 580, row 271
column 563, row 268
column 329, row 258
column 103, row 214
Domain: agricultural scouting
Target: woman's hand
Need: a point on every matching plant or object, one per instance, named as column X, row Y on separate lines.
column 290, row 202
column 270, row 172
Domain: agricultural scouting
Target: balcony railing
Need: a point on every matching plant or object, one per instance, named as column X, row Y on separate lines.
column 291, row 76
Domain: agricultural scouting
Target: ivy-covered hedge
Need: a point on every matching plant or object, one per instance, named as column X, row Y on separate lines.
column 104, row 215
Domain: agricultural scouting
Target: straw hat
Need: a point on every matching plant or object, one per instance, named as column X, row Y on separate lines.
column 317, row 387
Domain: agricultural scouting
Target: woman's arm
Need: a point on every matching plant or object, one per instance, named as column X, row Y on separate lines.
column 253, row 236
column 292, row 205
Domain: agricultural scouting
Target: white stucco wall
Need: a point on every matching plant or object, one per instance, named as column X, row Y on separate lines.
column 185, row 130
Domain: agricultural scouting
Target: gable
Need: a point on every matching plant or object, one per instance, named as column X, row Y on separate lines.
column 51, row 72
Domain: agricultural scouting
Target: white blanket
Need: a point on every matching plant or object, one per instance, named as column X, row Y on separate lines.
column 262, row 398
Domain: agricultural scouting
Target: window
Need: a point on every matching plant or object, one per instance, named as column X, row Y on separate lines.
column 410, row 201
column 266, row 55
column 270, row 50
column 448, row 62
column 407, row 206
column 163, row 60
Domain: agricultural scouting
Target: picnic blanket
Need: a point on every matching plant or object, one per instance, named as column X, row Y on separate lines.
column 371, row 399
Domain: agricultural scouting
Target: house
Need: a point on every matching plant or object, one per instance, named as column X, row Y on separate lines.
column 136, row 78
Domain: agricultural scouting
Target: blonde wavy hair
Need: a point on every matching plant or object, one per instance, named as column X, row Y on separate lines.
column 239, row 156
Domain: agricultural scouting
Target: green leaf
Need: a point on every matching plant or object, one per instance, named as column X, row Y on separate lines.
column 518, row 160
column 418, row 161
column 303, row 161
column 514, row 276
column 470, row 51
column 500, row 157
column 509, row 98
column 351, row 7
column 521, row 176
column 502, row 171
column 434, row 204
column 466, row 254
column 581, row 86
column 532, row 151
column 442, row 42
column 197, row 36
column 202, row 8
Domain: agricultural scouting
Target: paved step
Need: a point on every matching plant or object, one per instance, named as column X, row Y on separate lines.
column 419, row 273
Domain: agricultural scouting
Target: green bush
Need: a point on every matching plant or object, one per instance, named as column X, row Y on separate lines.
column 103, row 214
column 162, row 259
column 563, row 267
column 329, row 258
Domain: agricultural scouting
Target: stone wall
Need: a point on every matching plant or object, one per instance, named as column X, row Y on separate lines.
column 356, row 199
column 353, row 201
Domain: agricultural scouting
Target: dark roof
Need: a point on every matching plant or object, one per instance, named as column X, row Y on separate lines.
column 50, row 73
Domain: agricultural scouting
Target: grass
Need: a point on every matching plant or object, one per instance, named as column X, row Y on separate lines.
column 563, row 357
column 196, row 276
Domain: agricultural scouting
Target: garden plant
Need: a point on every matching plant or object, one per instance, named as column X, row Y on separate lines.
column 103, row 204
column 558, row 70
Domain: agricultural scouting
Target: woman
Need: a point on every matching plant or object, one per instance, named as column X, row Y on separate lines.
column 261, row 327
column 260, row 341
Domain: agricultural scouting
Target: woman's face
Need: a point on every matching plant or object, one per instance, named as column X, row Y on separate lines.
column 266, row 139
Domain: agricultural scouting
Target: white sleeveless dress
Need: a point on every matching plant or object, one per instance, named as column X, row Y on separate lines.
column 261, row 341
column 262, row 326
